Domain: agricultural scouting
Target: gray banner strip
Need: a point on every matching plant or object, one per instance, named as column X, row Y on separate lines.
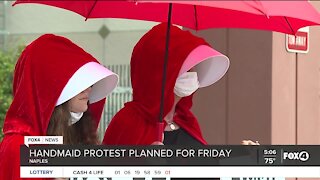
column 82, row 155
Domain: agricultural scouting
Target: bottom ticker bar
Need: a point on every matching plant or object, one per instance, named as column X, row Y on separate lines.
column 164, row 172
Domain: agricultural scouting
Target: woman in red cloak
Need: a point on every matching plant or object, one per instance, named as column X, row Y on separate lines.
column 58, row 89
column 192, row 64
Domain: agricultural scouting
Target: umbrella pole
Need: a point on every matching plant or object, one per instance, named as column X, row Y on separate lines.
column 164, row 76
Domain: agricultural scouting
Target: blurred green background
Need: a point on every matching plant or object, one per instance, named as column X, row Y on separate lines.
column 7, row 64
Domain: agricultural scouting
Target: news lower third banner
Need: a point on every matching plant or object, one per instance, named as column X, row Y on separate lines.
column 173, row 161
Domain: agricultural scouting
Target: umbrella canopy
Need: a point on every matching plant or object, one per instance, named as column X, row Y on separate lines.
column 282, row 16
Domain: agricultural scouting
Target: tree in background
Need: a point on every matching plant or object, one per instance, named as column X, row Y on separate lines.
column 7, row 64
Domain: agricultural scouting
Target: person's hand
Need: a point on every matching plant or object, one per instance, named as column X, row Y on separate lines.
column 157, row 143
column 249, row 142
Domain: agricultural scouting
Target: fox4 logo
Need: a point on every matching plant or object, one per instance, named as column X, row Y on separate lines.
column 302, row 156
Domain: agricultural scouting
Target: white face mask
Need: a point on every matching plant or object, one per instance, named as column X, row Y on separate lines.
column 186, row 84
column 75, row 117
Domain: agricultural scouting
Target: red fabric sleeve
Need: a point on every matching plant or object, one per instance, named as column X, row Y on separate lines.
column 128, row 128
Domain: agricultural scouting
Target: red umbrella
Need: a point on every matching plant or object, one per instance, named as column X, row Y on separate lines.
column 282, row 16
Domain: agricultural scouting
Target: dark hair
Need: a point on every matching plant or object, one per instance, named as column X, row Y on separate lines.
column 82, row 132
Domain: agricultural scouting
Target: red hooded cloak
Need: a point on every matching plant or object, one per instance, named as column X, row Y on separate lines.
column 136, row 123
column 40, row 75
